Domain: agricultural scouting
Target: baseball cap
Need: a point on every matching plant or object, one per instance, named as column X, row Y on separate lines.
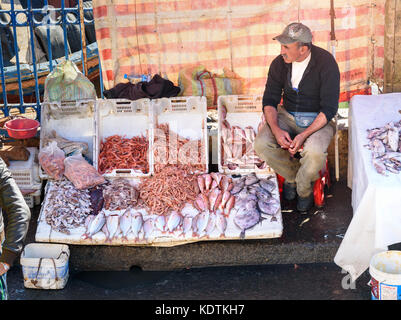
column 295, row 32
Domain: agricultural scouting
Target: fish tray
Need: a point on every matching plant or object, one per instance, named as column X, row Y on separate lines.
column 187, row 117
column 73, row 120
column 26, row 173
column 242, row 111
column 128, row 119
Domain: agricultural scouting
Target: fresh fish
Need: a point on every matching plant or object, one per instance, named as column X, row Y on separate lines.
column 211, row 225
column 267, row 185
column 201, row 184
column 213, row 195
column 112, row 226
column 226, row 196
column 173, row 221
column 393, row 138
column 214, row 185
column 126, row 223
column 202, row 222
column 223, row 112
column 148, row 228
column 136, row 223
column 270, row 207
column 186, row 224
column 221, row 223
column 224, row 183
column 238, row 187
column 251, row 179
column 216, row 177
column 208, row 181
column 229, row 205
column 378, row 147
column 251, row 205
column 262, row 193
column 205, row 200
column 199, row 203
column 160, row 223
column 379, row 166
column 246, row 219
column 95, row 225
column 218, row 201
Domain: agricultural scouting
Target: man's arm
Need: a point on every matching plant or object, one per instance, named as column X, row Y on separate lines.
column 18, row 215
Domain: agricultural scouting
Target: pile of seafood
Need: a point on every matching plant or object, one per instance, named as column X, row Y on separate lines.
column 117, row 152
column 385, row 144
column 237, row 150
column 67, row 207
column 167, row 190
column 170, row 149
column 254, row 198
column 119, row 194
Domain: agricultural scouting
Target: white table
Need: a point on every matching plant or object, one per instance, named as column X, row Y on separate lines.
column 376, row 199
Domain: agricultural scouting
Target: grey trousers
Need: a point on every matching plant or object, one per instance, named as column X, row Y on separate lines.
column 302, row 171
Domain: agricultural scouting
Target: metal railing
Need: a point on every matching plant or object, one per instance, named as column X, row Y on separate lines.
column 13, row 77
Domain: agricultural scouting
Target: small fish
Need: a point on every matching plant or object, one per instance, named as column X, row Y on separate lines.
column 112, row 226
column 393, row 138
column 208, row 181
column 201, row 184
column 173, row 221
column 226, row 196
column 160, row 223
column 216, row 177
column 229, row 205
column 221, row 223
column 211, row 225
column 95, row 225
column 199, row 203
column 136, row 223
column 148, row 227
column 238, row 186
column 267, row 185
column 213, row 195
column 218, row 201
column 251, row 179
column 126, row 223
column 202, row 222
column 245, row 220
column 186, row 224
column 270, row 207
column 379, row 166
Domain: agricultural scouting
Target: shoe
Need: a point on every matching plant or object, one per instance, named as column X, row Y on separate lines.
column 305, row 204
column 289, row 190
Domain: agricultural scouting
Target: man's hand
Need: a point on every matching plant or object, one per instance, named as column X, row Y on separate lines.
column 4, row 267
column 297, row 143
column 283, row 138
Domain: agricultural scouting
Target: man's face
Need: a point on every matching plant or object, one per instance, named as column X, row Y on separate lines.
column 291, row 52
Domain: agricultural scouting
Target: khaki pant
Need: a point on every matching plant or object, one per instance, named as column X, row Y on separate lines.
column 303, row 171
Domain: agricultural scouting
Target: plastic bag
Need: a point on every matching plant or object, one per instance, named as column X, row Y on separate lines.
column 81, row 173
column 67, row 83
column 51, row 158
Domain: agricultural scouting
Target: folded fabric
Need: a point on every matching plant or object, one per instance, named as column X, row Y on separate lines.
column 154, row 89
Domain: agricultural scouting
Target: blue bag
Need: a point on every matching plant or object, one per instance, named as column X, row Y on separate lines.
column 304, row 119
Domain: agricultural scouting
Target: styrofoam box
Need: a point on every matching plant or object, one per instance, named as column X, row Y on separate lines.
column 128, row 119
column 45, row 265
column 26, row 173
column 33, row 199
column 186, row 116
column 71, row 120
column 242, row 111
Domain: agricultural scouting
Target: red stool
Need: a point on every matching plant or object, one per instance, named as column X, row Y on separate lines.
column 318, row 188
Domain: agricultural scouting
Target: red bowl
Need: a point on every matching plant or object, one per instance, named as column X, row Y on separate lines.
column 22, row 128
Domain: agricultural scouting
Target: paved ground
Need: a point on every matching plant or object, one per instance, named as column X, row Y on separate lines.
column 263, row 282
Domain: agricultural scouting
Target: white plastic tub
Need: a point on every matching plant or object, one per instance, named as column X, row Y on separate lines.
column 242, row 111
column 45, row 265
column 26, row 173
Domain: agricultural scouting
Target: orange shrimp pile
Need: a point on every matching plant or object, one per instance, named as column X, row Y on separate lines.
column 170, row 149
column 117, row 152
column 169, row 189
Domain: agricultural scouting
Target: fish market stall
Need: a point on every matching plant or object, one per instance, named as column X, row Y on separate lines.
column 152, row 185
column 373, row 175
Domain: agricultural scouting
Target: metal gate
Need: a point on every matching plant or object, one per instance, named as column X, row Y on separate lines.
column 52, row 27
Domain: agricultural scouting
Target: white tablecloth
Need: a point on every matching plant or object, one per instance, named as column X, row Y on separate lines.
column 376, row 199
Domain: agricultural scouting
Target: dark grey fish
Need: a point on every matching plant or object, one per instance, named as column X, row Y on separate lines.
column 246, row 219
column 270, row 207
column 251, row 179
column 238, row 186
column 267, row 185
column 262, row 193
column 251, row 204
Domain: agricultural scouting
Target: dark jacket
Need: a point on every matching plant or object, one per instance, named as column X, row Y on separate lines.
column 18, row 215
column 156, row 88
column 318, row 90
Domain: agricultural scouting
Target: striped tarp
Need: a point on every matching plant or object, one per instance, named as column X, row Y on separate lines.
column 164, row 36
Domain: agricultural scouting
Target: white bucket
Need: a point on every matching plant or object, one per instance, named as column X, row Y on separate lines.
column 385, row 270
column 45, row 266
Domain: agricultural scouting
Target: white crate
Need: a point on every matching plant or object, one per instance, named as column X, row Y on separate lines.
column 73, row 121
column 128, row 119
column 186, row 116
column 242, row 111
column 33, row 199
column 26, row 173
